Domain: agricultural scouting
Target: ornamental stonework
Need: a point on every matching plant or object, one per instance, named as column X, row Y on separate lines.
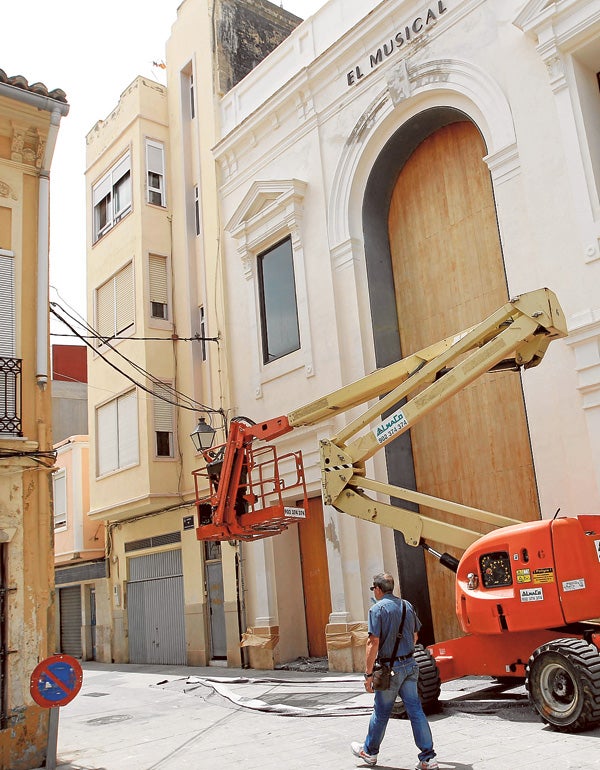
column 27, row 145
column 6, row 191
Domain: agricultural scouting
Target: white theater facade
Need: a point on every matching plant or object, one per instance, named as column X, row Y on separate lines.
column 396, row 171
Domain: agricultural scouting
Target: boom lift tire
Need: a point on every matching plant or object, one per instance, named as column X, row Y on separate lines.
column 429, row 684
column 563, row 682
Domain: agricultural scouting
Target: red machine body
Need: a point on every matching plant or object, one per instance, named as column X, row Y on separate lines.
column 519, row 588
column 538, row 574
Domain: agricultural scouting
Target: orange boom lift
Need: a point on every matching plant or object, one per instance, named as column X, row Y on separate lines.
column 526, row 593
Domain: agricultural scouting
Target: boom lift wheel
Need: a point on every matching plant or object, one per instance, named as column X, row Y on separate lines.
column 429, row 684
column 563, row 682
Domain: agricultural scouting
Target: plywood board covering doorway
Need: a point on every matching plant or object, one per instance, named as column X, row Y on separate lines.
column 315, row 577
column 449, row 274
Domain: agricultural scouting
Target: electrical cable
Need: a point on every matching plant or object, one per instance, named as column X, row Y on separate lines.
column 191, row 405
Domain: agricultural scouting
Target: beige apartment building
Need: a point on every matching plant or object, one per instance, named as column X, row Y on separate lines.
column 29, row 122
column 159, row 363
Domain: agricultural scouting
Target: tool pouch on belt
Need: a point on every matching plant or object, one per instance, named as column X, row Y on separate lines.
column 382, row 670
column 382, row 676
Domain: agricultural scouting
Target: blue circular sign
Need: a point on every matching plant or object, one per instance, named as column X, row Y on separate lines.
column 56, row 681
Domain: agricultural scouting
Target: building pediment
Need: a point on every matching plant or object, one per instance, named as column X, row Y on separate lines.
column 270, row 200
column 537, row 14
column 534, row 12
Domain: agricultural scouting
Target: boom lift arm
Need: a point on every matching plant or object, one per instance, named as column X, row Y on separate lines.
column 247, row 490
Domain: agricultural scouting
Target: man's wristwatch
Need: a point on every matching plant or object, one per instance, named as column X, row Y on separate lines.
column 368, row 676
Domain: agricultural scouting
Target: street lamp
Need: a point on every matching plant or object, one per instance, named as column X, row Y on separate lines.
column 203, row 435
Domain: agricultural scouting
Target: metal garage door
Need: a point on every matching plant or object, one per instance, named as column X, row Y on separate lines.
column 155, row 609
column 70, row 620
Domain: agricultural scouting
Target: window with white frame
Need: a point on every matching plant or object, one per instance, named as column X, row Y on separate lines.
column 111, row 197
column 59, row 485
column 115, row 304
column 117, row 441
column 192, row 97
column 278, row 305
column 159, row 290
column 164, row 421
column 155, row 165
column 268, row 225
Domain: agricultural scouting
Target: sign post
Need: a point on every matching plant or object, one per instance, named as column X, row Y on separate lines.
column 54, row 683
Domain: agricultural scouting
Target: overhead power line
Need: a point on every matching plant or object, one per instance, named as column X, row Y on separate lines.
column 179, row 399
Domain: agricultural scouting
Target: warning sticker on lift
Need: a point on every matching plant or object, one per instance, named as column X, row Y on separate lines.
column 597, row 544
column 573, row 585
column 543, row 575
column 294, row 513
column 523, row 576
column 390, row 426
column 532, row 594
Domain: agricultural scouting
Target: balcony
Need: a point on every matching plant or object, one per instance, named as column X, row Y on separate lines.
column 10, row 397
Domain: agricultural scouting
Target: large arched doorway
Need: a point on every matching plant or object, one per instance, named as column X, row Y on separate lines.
column 446, row 271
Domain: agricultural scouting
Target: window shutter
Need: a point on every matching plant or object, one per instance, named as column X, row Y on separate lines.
column 155, row 156
column 101, row 190
column 107, row 444
column 128, row 429
column 60, row 498
column 124, row 299
column 7, row 306
column 105, row 303
column 121, row 169
column 163, row 411
column 158, row 279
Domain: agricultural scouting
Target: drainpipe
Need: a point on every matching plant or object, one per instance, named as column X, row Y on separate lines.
column 43, row 271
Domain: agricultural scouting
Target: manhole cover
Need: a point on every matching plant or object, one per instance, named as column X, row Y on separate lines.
column 111, row 720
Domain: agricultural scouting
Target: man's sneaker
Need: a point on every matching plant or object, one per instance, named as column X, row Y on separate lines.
column 427, row 764
column 359, row 751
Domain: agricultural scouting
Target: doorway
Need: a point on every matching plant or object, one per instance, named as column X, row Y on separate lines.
column 448, row 273
column 315, row 577
column 216, row 599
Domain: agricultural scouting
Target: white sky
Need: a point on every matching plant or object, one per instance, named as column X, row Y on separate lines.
column 92, row 52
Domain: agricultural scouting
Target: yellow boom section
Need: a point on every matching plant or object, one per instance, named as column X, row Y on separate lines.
column 516, row 335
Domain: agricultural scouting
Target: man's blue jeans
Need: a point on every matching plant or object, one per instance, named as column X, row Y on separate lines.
column 406, row 675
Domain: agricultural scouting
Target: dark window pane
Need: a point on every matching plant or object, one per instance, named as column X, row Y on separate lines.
column 159, row 310
column 163, row 443
column 279, row 312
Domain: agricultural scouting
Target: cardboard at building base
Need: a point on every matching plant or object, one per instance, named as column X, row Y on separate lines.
column 262, row 642
column 346, row 646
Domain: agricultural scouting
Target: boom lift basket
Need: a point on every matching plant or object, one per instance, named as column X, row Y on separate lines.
column 257, row 485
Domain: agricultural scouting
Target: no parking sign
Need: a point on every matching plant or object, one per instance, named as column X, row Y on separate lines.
column 55, row 681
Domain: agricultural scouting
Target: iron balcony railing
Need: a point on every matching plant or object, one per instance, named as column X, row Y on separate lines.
column 10, row 397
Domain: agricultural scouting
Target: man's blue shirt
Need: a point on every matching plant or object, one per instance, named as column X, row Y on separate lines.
column 384, row 623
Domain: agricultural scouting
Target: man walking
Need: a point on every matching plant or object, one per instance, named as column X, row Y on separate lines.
column 385, row 618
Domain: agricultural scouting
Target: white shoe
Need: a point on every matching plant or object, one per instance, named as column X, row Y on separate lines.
column 427, row 764
column 359, row 751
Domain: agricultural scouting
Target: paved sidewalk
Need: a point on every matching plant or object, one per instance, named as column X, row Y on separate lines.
column 130, row 717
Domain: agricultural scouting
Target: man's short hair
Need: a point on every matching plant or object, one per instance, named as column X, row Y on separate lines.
column 384, row 581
